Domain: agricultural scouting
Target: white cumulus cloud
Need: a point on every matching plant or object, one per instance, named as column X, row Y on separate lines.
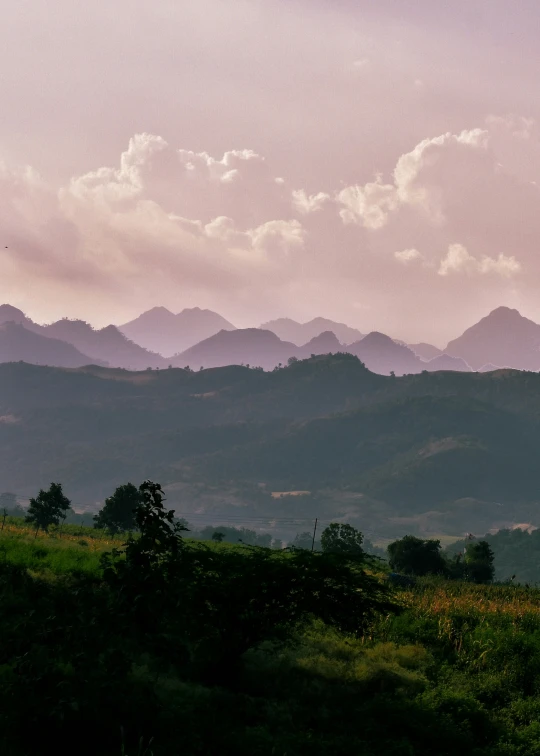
column 408, row 255
column 459, row 260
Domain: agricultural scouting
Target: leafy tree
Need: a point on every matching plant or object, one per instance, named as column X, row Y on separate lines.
column 343, row 539
column 218, row 537
column 118, row 514
column 241, row 598
column 48, row 508
column 478, row 561
column 415, row 556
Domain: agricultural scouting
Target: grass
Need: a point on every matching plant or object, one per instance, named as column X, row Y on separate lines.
column 457, row 671
column 64, row 550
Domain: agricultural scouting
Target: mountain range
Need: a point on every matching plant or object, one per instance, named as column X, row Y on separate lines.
column 450, row 452
column 504, row 338
column 301, row 333
column 105, row 346
column 162, row 331
column 18, row 344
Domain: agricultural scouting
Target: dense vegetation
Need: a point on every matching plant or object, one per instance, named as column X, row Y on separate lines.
column 168, row 646
column 450, row 452
column 517, row 554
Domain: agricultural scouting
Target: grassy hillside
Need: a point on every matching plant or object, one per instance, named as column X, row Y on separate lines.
column 456, row 670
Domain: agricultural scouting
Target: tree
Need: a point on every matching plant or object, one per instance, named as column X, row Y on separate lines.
column 240, row 598
column 118, row 514
column 48, row 508
column 415, row 556
column 344, row 539
column 478, row 561
column 218, row 537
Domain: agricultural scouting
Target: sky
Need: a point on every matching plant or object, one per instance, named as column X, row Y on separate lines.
column 371, row 162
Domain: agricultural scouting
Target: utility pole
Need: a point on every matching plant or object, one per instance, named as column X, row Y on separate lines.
column 314, row 531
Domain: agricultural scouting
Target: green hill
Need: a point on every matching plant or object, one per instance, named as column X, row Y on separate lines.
column 445, row 452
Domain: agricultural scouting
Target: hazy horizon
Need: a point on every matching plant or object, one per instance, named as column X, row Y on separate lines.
column 373, row 164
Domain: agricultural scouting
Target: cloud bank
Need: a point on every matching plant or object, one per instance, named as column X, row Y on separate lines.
column 167, row 225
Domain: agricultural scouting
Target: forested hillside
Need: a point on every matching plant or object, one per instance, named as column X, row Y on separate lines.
column 443, row 453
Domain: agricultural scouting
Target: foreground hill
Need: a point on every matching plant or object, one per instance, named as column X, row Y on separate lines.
column 162, row 331
column 442, row 452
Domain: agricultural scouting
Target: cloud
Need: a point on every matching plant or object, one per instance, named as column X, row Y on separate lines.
column 519, row 127
column 171, row 226
column 369, row 205
column 459, row 260
column 418, row 180
column 408, row 255
column 305, row 203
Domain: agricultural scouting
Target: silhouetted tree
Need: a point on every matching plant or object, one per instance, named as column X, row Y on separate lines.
column 478, row 560
column 341, row 538
column 218, row 536
column 48, row 508
column 415, row 556
column 118, row 514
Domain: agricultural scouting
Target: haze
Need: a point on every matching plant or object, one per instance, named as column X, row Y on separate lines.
column 374, row 163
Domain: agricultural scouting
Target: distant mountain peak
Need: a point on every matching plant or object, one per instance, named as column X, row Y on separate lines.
column 8, row 313
column 326, row 338
column 300, row 333
column 378, row 338
column 159, row 310
column 504, row 311
column 164, row 332
column 504, row 337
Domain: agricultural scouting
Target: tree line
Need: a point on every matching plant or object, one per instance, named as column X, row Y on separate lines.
column 409, row 555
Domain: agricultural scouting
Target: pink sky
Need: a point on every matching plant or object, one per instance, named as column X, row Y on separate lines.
column 372, row 162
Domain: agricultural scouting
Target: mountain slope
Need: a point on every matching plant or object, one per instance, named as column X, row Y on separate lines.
column 383, row 355
column 428, row 452
column 324, row 343
column 446, row 362
column 106, row 344
column 504, row 337
column 164, row 332
column 248, row 346
column 9, row 314
column 299, row 333
column 18, row 343
column 425, row 351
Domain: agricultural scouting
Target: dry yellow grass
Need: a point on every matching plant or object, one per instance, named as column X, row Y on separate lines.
column 449, row 599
